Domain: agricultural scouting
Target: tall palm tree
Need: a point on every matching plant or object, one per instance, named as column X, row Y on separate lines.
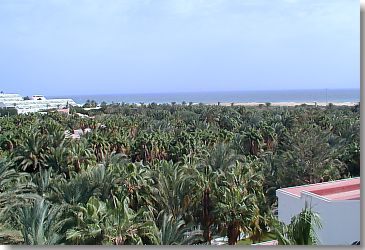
column 236, row 210
column 204, row 188
column 239, row 193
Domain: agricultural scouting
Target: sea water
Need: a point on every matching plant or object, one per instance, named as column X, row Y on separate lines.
column 317, row 95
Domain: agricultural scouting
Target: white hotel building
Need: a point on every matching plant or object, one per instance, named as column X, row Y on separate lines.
column 35, row 104
column 338, row 205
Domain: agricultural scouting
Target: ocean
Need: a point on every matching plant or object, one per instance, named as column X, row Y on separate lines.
column 314, row 95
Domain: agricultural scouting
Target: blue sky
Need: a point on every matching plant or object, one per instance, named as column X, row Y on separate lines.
column 60, row 47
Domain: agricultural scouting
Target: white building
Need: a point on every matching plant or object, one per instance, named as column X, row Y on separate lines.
column 338, row 205
column 35, row 104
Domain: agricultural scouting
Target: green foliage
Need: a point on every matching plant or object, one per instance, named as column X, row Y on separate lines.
column 40, row 223
column 301, row 230
column 221, row 157
column 74, row 191
column 90, row 218
column 90, row 104
column 15, row 188
column 8, row 112
column 152, row 174
column 177, row 232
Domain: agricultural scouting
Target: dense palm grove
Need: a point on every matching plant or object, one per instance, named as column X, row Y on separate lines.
column 165, row 174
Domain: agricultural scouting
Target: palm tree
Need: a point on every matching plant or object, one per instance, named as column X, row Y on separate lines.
column 87, row 104
column 89, row 223
column 106, row 180
column 124, row 226
column 138, row 185
column 76, row 190
column 173, row 185
column 307, row 157
column 58, row 159
column 271, row 165
column 269, row 136
column 7, row 141
column 112, row 223
column 15, row 188
column 81, row 155
column 235, row 209
column 221, row 157
column 205, row 186
column 43, row 180
column 30, row 154
column 174, row 231
column 55, row 134
column 254, row 141
column 239, row 194
column 99, row 145
column 40, row 223
column 238, row 143
column 301, row 230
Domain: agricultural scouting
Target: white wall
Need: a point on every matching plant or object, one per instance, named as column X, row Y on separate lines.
column 288, row 206
column 340, row 219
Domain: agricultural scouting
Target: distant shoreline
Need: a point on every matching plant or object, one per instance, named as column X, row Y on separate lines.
column 289, row 104
column 256, row 104
column 277, row 98
column 271, row 104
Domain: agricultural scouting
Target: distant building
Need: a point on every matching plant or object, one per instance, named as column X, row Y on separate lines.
column 38, row 97
column 337, row 202
column 35, row 104
column 77, row 133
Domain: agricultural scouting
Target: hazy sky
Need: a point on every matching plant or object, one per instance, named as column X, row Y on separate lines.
column 60, row 47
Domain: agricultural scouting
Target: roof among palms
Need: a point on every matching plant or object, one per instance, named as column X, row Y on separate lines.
column 345, row 189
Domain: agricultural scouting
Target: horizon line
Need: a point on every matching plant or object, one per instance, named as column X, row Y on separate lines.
column 207, row 91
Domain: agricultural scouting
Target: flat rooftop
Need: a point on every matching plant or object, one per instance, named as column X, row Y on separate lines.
column 346, row 189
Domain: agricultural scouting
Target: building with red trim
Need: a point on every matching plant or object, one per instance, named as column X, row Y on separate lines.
column 337, row 202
